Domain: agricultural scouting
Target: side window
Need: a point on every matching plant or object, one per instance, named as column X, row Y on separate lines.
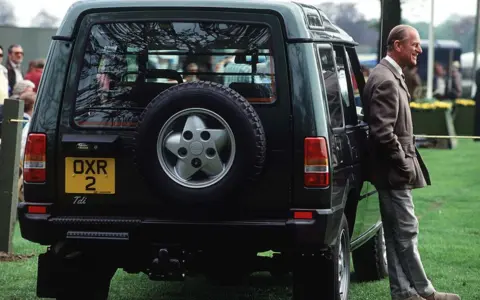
column 357, row 76
column 349, row 111
column 326, row 65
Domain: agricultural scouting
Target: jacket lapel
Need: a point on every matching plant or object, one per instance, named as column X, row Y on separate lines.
column 397, row 75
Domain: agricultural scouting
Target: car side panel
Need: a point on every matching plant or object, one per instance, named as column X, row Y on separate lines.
column 46, row 115
column 309, row 119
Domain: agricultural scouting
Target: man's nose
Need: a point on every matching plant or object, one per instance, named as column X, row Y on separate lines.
column 419, row 50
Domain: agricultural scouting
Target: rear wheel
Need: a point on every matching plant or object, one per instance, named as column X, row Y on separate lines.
column 370, row 260
column 318, row 277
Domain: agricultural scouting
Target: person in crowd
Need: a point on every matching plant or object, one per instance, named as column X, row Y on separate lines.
column 22, row 86
column 477, row 105
column 3, row 80
column 365, row 71
column 35, row 72
column 2, row 67
column 396, row 166
column 191, row 68
column 14, row 65
column 454, row 87
column 3, row 88
column 413, row 80
column 29, row 99
column 439, row 84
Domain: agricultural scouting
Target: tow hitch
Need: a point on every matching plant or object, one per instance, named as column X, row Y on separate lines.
column 166, row 268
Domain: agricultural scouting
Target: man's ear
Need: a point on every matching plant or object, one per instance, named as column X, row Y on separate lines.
column 396, row 45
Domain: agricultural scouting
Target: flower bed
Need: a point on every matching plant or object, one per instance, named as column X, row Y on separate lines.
column 464, row 116
column 433, row 118
column 435, row 105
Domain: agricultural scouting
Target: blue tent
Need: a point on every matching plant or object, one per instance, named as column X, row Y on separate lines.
column 446, row 51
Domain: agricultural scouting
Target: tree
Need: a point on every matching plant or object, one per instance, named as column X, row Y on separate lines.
column 7, row 13
column 391, row 17
column 45, row 20
column 459, row 28
column 347, row 17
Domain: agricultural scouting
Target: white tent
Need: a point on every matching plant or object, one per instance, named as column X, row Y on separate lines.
column 466, row 61
column 468, row 78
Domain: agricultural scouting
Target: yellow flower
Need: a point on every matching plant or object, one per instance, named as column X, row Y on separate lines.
column 431, row 105
column 465, row 102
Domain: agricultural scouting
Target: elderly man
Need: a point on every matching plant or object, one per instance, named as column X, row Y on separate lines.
column 397, row 167
column 14, row 65
column 4, row 89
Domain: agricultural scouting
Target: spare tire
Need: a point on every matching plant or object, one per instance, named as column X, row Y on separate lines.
column 199, row 142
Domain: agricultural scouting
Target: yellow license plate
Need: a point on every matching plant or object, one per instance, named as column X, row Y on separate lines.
column 89, row 175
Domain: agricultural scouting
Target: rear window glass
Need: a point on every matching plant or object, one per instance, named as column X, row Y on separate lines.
column 126, row 65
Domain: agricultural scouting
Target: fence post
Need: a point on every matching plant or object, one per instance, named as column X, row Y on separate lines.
column 9, row 165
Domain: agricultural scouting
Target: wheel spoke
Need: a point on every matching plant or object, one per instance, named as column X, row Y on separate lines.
column 213, row 166
column 173, row 143
column 185, row 170
column 343, row 268
column 193, row 124
column 220, row 137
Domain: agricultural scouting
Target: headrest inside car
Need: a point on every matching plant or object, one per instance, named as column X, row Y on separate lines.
column 248, row 59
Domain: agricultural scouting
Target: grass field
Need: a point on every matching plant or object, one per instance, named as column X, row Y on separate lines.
column 449, row 242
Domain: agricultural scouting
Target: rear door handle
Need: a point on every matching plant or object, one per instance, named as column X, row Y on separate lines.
column 354, row 152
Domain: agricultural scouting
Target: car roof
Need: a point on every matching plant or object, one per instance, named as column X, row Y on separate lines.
column 290, row 10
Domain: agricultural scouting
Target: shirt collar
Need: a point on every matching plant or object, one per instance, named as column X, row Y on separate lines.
column 14, row 65
column 394, row 64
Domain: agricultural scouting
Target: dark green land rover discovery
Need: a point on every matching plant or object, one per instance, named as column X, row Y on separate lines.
column 181, row 137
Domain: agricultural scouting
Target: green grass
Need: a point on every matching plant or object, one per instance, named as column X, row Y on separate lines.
column 449, row 244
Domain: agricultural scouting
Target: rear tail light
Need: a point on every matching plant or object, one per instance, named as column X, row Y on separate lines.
column 316, row 172
column 34, row 163
column 303, row 215
column 36, row 209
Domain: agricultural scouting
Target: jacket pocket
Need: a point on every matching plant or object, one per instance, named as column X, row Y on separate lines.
column 402, row 173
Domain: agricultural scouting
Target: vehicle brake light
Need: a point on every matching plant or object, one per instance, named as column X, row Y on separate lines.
column 35, row 209
column 34, row 163
column 316, row 172
column 303, row 215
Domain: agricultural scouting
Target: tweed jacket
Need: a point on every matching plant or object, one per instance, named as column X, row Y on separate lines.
column 394, row 160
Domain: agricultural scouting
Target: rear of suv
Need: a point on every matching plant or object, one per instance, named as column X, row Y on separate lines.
column 172, row 138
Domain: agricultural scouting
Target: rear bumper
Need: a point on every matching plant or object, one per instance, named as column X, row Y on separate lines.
column 292, row 233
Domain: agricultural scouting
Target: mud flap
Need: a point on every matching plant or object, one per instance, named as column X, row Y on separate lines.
column 49, row 271
column 66, row 278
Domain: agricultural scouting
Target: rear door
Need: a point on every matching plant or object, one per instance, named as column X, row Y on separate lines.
column 107, row 92
column 341, row 159
column 368, row 199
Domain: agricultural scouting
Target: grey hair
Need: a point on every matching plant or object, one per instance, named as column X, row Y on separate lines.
column 398, row 33
column 21, row 86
